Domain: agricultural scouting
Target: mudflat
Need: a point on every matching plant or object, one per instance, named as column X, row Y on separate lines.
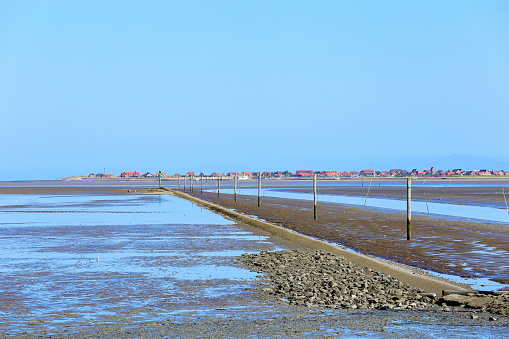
column 147, row 300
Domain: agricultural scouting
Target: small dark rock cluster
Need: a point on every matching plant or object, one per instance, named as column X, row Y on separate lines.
column 317, row 278
column 496, row 303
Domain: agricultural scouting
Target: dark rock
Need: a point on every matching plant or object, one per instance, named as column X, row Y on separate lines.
column 327, row 280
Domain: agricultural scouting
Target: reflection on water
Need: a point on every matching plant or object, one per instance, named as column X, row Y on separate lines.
column 101, row 210
column 88, row 255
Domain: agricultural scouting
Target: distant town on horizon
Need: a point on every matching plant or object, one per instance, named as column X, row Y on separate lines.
column 308, row 173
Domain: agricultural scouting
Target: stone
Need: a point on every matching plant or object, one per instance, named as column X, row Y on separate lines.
column 454, row 300
column 311, row 278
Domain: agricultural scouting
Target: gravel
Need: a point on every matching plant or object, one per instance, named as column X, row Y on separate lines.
column 316, row 278
column 320, row 279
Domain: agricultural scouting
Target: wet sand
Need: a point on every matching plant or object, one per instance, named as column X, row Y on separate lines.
column 284, row 321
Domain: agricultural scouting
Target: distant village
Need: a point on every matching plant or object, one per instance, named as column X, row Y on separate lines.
column 306, row 173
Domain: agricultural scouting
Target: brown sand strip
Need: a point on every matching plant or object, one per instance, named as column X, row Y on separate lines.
column 404, row 273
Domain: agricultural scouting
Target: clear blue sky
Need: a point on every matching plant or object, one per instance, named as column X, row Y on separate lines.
column 252, row 85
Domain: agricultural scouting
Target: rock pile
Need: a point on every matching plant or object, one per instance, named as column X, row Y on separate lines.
column 316, row 278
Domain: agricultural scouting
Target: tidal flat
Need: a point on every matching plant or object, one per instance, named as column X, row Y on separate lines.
column 108, row 263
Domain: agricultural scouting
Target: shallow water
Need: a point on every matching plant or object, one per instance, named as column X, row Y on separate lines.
column 58, row 210
column 75, row 254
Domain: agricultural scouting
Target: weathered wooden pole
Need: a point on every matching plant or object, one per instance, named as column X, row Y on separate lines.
column 259, row 187
column 409, row 209
column 201, row 185
column 185, row 183
column 314, row 191
column 362, row 182
column 192, row 179
column 218, row 180
column 159, row 179
column 506, row 207
column 235, row 188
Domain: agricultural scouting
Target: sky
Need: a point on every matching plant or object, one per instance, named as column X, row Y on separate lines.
column 220, row 86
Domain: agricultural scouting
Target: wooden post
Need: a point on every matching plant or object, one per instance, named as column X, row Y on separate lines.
column 362, row 182
column 259, row 187
column 218, row 180
column 409, row 209
column 378, row 180
column 184, row 183
column 201, row 185
column 159, row 179
column 191, row 184
column 235, row 188
column 507, row 208
column 314, row 191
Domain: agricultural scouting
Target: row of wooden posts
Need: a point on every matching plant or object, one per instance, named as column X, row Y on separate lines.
column 219, row 186
column 315, row 196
